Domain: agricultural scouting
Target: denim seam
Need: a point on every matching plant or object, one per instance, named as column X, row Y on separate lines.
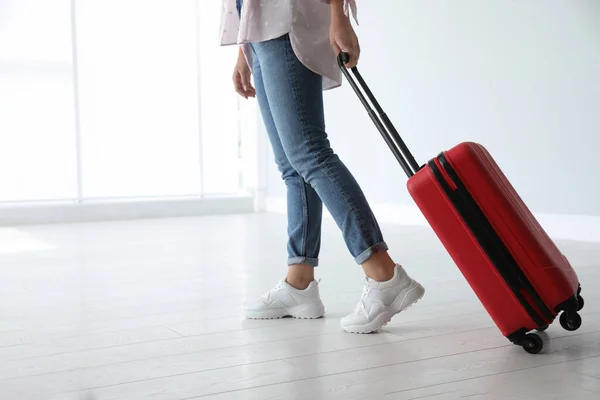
column 305, row 216
column 294, row 84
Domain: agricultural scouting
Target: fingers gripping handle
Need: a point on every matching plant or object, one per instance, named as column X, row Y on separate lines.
column 386, row 128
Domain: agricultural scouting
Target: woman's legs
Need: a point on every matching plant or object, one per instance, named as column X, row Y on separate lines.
column 295, row 102
column 303, row 203
column 291, row 100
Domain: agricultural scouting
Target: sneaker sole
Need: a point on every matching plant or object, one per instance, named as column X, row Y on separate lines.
column 400, row 304
column 298, row 312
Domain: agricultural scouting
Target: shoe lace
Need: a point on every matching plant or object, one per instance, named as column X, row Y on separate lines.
column 274, row 289
column 365, row 291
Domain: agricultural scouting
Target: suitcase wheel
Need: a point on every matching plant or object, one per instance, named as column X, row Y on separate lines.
column 532, row 343
column 579, row 302
column 570, row 321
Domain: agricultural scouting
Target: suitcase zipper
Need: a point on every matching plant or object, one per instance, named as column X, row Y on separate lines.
column 489, row 241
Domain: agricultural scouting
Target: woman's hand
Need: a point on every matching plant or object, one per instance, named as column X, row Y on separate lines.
column 342, row 35
column 241, row 77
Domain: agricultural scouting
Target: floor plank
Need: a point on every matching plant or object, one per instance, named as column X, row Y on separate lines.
column 151, row 309
column 373, row 383
column 556, row 381
column 355, row 374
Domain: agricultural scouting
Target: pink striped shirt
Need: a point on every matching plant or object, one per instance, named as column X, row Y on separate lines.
column 306, row 21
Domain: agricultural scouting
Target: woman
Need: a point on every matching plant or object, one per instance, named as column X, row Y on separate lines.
column 290, row 48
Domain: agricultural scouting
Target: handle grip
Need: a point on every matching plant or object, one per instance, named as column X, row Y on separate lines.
column 343, row 58
column 386, row 128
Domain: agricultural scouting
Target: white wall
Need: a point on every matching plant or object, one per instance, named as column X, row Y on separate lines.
column 521, row 77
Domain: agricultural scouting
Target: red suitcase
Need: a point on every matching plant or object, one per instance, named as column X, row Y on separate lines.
column 514, row 268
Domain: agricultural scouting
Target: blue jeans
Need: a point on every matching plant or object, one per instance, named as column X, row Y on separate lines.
column 290, row 98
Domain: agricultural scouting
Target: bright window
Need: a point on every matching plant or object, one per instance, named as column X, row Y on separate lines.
column 37, row 125
column 145, row 82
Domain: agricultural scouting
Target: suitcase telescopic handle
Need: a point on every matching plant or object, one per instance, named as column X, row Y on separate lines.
column 386, row 128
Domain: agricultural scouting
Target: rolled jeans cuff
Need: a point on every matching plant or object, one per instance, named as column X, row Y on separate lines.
column 365, row 255
column 313, row 262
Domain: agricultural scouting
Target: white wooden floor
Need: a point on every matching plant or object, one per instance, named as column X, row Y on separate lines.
column 151, row 310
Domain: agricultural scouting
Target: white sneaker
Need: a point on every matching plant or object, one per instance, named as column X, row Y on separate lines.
column 286, row 301
column 380, row 301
